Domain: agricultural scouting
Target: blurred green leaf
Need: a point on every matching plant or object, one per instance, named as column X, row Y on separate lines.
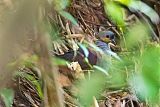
column 7, row 95
column 148, row 78
column 29, row 61
column 113, row 54
column 36, row 83
column 61, row 4
column 85, row 50
column 137, row 5
column 100, row 69
column 59, row 61
column 68, row 16
column 144, row 8
column 151, row 63
column 24, row 60
column 54, row 33
column 115, row 12
column 93, row 46
column 90, row 88
column 118, row 73
column 125, row 2
column 136, row 34
column 144, row 89
column 53, row 29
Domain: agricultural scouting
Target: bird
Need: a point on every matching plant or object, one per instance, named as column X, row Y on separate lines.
column 103, row 42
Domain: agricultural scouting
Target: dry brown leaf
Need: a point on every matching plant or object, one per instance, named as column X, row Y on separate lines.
column 68, row 29
column 59, row 47
column 79, row 74
column 76, row 29
column 64, row 47
column 29, row 98
column 75, row 36
column 64, row 80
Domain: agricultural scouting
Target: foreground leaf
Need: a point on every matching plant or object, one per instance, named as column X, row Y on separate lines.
column 68, row 16
column 7, row 95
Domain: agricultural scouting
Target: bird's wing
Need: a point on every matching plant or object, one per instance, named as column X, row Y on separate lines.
column 106, row 49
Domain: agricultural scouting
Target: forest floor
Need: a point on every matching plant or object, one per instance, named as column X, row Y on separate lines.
column 91, row 19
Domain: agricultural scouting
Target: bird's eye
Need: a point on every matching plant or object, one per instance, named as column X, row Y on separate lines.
column 107, row 36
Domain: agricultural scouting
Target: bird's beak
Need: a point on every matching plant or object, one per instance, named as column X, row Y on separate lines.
column 111, row 45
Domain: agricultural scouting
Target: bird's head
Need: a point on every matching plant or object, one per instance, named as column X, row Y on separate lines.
column 106, row 36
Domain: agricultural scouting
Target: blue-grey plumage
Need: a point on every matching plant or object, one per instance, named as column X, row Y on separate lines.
column 105, row 60
column 102, row 45
column 105, row 38
column 105, row 47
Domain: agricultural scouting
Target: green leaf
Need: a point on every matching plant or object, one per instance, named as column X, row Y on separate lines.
column 68, row 16
column 91, row 88
column 137, row 5
column 137, row 34
column 125, row 2
column 115, row 12
column 53, row 30
column 149, row 75
column 61, row 4
column 100, row 69
column 85, row 50
column 36, row 83
column 144, row 8
column 93, row 46
column 7, row 95
column 145, row 89
column 151, row 64
column 59, row 61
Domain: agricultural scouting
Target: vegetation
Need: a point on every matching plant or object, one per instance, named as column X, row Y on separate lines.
column 34, row 34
